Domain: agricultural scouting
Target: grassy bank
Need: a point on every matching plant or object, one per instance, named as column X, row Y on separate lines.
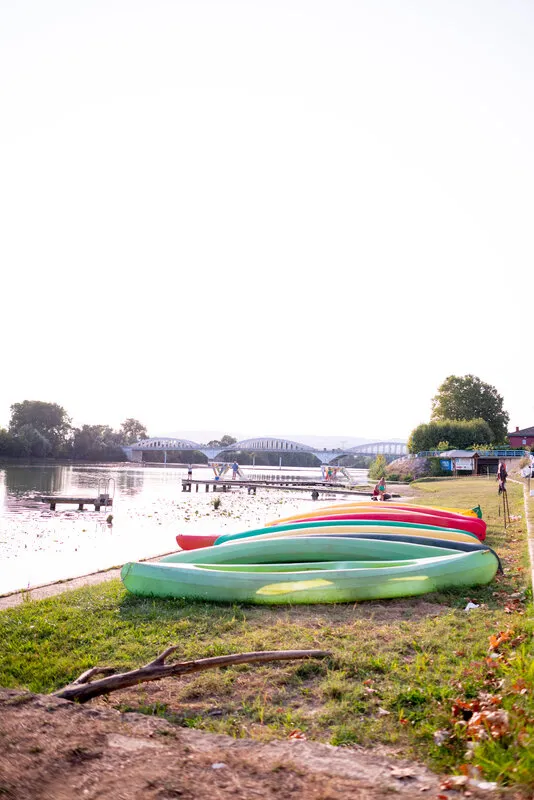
column 423, row 675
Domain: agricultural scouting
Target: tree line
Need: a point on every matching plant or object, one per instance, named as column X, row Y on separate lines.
column 466, row 413
column 44, row 430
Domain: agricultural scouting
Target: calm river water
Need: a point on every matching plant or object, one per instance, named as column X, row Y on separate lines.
column 39, row 546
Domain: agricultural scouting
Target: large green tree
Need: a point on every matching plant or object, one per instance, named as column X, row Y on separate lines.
column 49, row 419
column 226, row 441
column 32, row 442
column 132, row 430
column 97, row 443
column 8, row 444
column 459, row 434
column 467, row 398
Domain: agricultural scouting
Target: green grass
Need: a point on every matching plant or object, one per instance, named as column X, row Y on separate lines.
column 399, row 671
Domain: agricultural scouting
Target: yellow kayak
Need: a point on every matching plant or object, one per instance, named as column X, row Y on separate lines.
column 377, row 507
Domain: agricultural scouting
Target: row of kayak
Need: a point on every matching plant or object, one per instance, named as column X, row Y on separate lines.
column 359, row 515
column 342, row 553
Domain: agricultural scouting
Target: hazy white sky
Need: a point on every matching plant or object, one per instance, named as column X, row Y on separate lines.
column 265, row 217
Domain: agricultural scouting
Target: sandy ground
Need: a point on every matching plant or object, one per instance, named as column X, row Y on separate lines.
column 55, row 750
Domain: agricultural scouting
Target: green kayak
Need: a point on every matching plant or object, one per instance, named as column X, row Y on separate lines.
column 313, row 569
column 350, row 526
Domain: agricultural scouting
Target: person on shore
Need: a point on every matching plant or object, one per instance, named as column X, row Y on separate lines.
column 190, row 472
column 380, row 489
column 235, row 470
column 502, row 474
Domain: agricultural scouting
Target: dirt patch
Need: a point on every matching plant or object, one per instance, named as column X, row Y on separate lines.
column 50, row 748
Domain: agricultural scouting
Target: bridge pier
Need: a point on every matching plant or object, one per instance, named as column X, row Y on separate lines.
column 133, row 455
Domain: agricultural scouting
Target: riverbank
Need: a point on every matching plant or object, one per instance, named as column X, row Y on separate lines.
column 192, row 512
column 399, row 672
column 40, row 547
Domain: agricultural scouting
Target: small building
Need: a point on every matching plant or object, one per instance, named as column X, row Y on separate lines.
column 520, row 439
column 459, row 461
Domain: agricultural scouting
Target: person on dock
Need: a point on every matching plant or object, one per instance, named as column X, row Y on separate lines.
column 235, row 470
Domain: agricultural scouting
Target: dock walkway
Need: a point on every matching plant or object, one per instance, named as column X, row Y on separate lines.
column 315, row 487
column 102, row 500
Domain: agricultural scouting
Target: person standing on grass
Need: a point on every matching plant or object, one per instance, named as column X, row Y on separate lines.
column 502, row 474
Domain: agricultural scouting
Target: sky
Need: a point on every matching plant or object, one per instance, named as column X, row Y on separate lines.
column 280, row 218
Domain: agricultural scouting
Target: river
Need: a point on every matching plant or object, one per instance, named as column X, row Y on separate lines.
column 39, row 546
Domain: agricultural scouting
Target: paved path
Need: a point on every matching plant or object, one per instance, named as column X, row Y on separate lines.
column 529, row 517
column 51, row 589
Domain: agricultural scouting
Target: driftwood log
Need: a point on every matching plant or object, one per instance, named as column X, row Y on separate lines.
column 83, row 688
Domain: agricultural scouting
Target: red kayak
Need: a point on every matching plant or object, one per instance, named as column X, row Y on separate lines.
column 468, row 524
column 192, row 541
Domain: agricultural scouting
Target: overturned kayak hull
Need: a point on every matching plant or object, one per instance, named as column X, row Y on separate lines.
column 309, row 527
column 468, row 524
column 300, row 570
column 194, row 541
column 188, row 541
column 377, row 508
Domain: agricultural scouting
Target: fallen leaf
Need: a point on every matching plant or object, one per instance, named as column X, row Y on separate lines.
column 496, row 640
column 297, row 734
column 484, row 724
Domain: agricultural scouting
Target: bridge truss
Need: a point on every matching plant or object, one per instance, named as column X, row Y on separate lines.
column 261, row 445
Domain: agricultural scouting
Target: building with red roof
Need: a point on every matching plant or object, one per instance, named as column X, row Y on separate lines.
column 521, row 438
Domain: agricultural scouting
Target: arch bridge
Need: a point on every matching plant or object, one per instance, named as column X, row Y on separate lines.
column 261, row 444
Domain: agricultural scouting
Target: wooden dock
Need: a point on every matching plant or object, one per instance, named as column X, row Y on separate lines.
column 315, row 487
column 102, row 500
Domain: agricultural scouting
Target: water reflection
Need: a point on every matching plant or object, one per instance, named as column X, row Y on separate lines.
column 125, row 482
column 19, row 485
column 21, row 481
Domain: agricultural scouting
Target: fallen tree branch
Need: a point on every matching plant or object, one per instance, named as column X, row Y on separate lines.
column 83, row 689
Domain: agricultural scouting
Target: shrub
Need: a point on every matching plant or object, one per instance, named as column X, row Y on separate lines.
column 459, row 434
column 436, row 469
column 378, row 468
